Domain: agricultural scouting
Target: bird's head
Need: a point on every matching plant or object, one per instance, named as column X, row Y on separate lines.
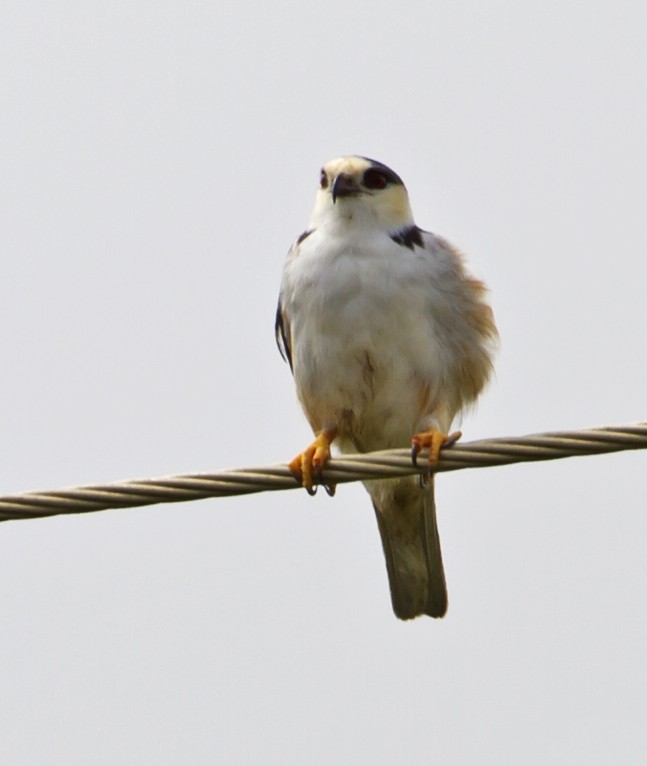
column 357, row 189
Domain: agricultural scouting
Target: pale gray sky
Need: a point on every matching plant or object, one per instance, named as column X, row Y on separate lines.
column 158, row 159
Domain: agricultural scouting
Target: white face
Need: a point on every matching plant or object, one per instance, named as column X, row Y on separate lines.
column 362, row 190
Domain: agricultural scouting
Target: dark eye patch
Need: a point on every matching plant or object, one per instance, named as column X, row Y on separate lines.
column 323, row 179
column 374, row 179
column 390, row 175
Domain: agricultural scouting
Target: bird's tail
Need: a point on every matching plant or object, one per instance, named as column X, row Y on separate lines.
column 406, row 517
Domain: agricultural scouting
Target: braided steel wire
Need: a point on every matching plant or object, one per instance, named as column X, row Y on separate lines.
column 375, row 465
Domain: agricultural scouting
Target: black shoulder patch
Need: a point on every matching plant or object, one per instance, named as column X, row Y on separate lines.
column 408, row 237
column 305, row 235
column 281, row 336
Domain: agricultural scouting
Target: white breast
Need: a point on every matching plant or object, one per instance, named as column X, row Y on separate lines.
column 366, row 334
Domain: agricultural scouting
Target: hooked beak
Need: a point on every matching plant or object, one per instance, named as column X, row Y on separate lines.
column 344, row 186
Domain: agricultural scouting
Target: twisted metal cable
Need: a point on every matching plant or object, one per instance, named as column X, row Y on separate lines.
column 374, row 465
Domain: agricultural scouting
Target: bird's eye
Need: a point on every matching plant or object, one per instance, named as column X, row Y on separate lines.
column 373, row 179
column 323, row 179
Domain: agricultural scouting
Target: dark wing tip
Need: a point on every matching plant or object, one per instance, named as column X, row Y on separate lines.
column 281, row 336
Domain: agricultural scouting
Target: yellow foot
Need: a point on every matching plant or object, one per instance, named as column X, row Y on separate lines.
column 434, row 440
column 308, row 465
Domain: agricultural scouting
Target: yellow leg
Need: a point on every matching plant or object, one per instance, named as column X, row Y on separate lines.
column 434, row 440
column 308, row 465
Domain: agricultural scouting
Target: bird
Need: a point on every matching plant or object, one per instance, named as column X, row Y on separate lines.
column 389, row 338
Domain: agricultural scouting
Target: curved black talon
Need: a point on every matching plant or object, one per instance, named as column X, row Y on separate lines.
column 312, row 491
column 424, row 479
column 330, row 489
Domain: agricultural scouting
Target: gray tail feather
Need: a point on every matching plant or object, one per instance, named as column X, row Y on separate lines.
column 406, row 517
